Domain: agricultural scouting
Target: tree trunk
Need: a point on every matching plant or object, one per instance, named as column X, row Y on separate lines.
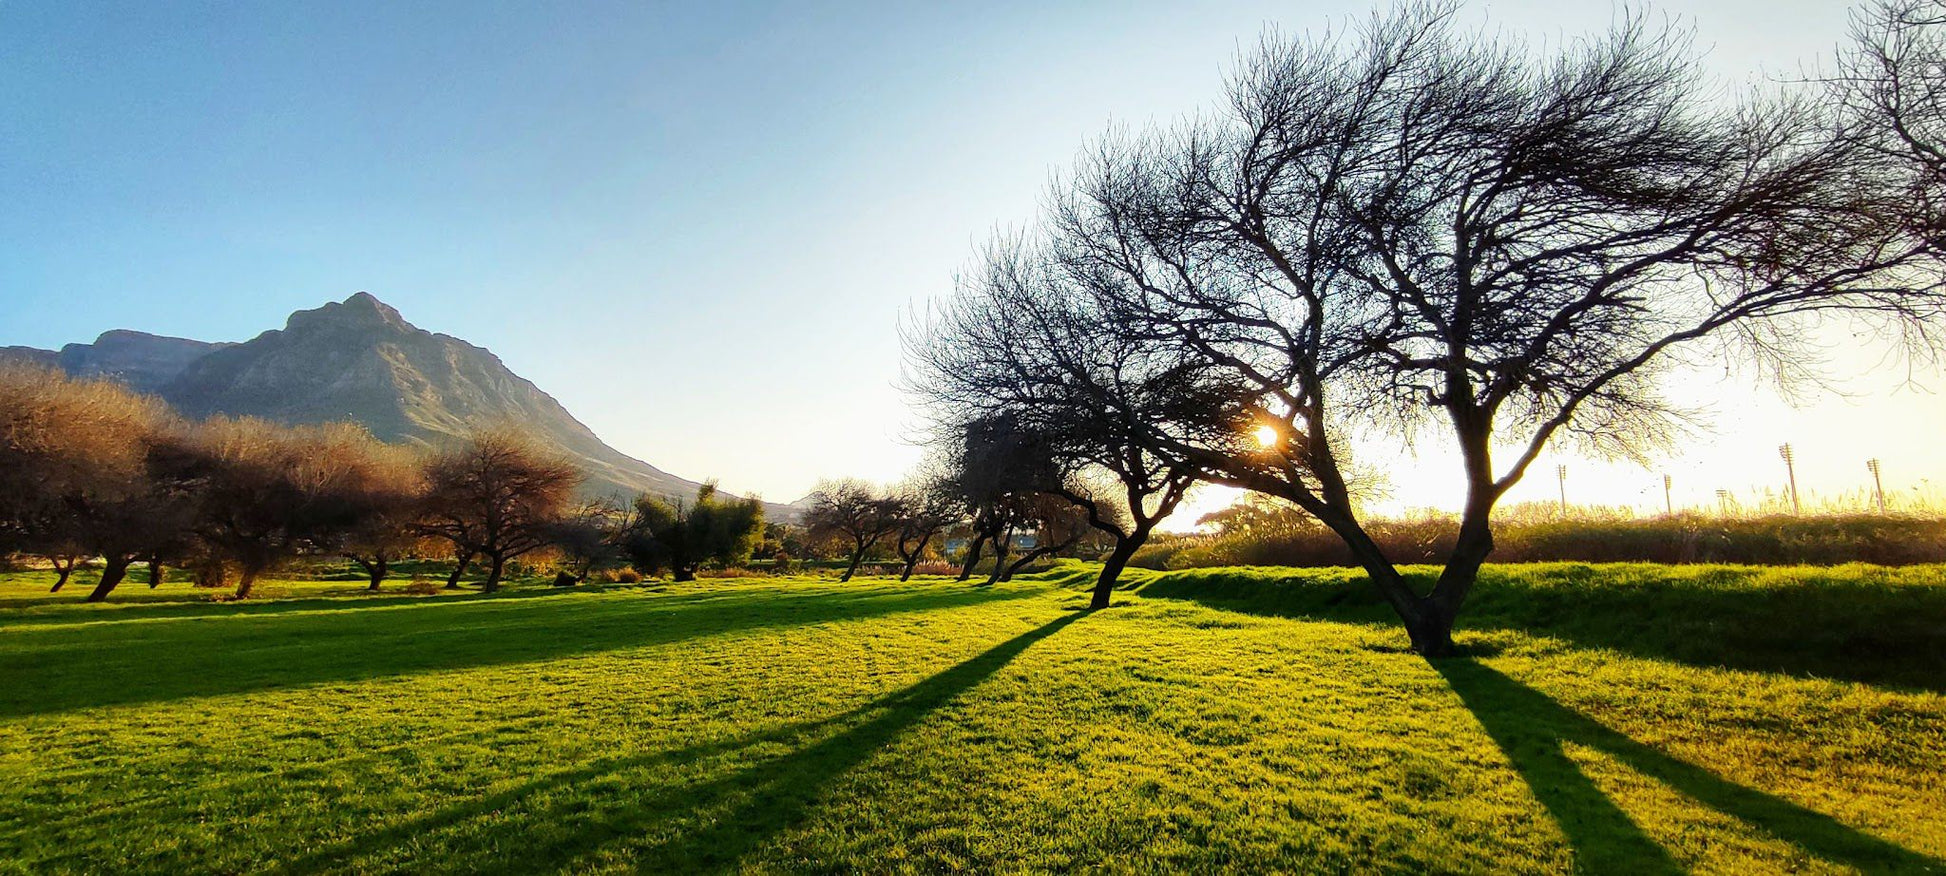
column 245, row 582
column 155, row 571
column 1002, row 546
column 496, row 566
column 1111, row 569
column 376, row 570
column 857, row 556
column 972, row 558
column 63, row 571
column 461, row 561
column 113, row 570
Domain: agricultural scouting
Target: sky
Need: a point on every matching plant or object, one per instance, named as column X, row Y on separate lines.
column 700, row 225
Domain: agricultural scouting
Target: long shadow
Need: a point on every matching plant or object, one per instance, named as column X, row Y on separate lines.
column 763, row 800
column 1532, row 728
column 41, row 612
column 1891, row 636
column 58, row 669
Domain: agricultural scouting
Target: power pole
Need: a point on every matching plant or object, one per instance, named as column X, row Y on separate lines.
column 1561, row 475
column 1723, row 501
column 1668, row 506
column 1878, row 483
column 1790, row 467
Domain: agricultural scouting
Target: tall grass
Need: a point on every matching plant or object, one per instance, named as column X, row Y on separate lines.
column 1287, row 538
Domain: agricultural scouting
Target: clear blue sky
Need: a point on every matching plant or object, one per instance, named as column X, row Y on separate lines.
column 697, row 225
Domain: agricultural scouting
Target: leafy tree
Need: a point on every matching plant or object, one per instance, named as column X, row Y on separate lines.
column 1415, row 230
column 496, row 496
column 681, row 537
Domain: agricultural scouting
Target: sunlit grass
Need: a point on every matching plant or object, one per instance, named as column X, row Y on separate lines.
column 790, row 724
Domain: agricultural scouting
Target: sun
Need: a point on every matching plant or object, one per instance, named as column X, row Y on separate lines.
column 1267, row 436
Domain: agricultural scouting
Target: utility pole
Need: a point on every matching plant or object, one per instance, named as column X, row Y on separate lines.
column 1878, row 483
column 1723, row 501
column 1668, row 506
column 1790, row 467
column 1561, row 475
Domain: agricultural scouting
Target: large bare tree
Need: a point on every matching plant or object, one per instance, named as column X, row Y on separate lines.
column 497, row 496
column 1412, row 228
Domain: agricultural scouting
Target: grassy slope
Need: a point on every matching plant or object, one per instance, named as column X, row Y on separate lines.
column 1263, row 723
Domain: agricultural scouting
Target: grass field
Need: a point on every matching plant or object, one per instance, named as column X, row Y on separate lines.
column 1613, row 719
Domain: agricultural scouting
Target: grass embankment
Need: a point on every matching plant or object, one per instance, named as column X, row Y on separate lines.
column 1264, row 723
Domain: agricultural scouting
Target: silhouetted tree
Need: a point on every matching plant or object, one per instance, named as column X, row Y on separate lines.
column 1892, row 86
column 681, row 537
column 1020, row 341
column 1410, row 226
column 589, row 538
column 496, row 496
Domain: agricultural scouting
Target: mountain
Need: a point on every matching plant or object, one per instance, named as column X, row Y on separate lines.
column 145, row 362
column 359, row 360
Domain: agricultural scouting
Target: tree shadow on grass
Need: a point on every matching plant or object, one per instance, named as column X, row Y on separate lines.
column 1532, row 729
column 736, row 813
column 178, row 604
column 56, row 669
column 1890, row 636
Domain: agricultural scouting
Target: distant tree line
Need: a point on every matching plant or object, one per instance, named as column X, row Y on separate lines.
column 89, row 469
column 1417, row 230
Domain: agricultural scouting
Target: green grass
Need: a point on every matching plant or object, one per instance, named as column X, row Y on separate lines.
column 1251, row 720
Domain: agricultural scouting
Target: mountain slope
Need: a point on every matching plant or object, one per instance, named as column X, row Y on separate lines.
column 359, row 360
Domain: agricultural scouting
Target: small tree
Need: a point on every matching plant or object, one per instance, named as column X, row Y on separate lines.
column 497, row 496
column 925, row 506
column 681, row 537
column 853, row 513
column 590, row 538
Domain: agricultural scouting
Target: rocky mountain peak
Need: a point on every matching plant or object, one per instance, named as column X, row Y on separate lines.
column 361, row 312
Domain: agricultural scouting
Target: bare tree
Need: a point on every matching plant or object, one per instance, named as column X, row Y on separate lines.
column 265, row 493
column 1022, row 343
column 496, row 496
column 383, row 533
column 79, row 474
column 1891, row 83
column 925, row 506
column 854, row 513
column 1412, row 229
